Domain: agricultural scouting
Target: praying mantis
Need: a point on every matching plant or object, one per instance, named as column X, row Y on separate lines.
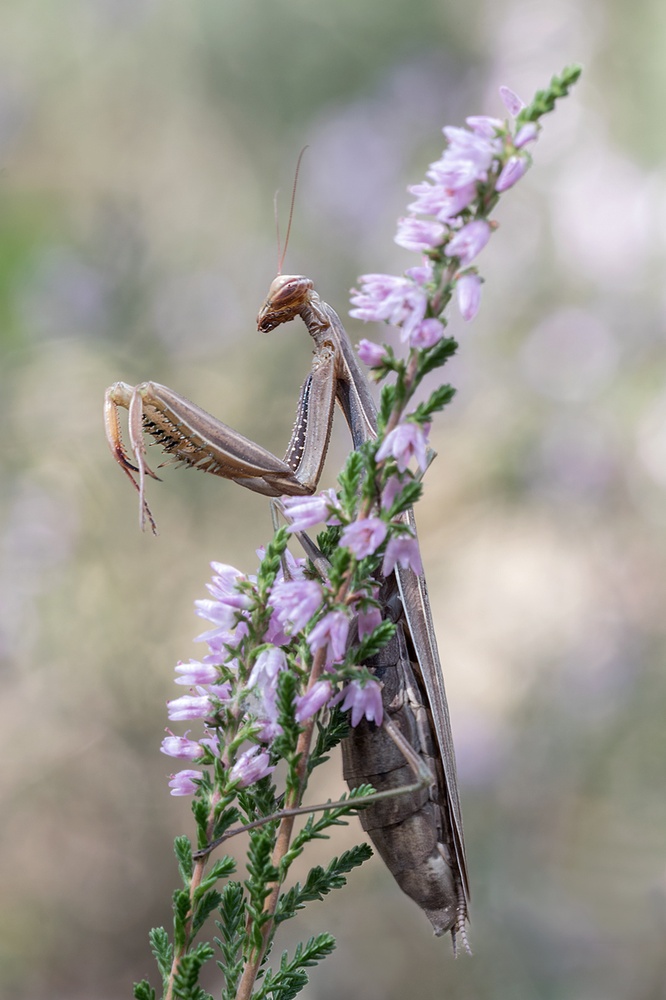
column 418, row 833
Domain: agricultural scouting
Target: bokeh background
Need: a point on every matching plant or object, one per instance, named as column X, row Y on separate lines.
column 141, row 142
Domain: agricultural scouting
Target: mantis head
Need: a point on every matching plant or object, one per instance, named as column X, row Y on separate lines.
column 288, row 295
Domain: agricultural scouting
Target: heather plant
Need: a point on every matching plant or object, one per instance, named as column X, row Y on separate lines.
column 283, row 677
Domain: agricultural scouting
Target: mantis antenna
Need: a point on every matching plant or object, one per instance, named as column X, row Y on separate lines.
column 282, row 251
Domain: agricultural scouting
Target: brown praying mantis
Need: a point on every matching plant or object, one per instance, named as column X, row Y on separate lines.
column 418, row 833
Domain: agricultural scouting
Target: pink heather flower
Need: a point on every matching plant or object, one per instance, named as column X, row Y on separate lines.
column 212, row 743
column 189, row 706
column 251, row 766
column 220, row 691
column 179, row 746
column 421, row 274
column 219, row 639
column 221, row 614
column 364, row 537
column 385, row 297
column 469, row 241
column 407, row 441
column 308, row 704
column 266, row 668
column 184, row 782
column 467, row 147
column 363, row 701
column 223, row 586
column 512, row 171
column 526, row 133
column 402, row 551
column 330, row 634
column 295, row 602
column 368, row 621
column 452, row 173
column 427, row 333
column 468, row 293
column 513, row 104
column 270, row 727
column 305, row 512
column 372, row 355
column 484, row 125
column 443, row 202
column 275, row 632
column 418, row 235
column 195, row 672
column 391, row 490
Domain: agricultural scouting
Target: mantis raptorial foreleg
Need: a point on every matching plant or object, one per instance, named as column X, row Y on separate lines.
column 195, row 438
column 421, row 840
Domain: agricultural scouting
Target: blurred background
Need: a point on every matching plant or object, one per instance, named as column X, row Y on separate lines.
column 141, row 143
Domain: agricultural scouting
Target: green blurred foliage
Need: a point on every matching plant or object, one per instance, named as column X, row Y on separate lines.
column 140, row 144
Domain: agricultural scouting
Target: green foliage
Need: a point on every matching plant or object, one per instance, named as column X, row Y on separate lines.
column 320, row 881
column 290, row 978
column 350, row 482
column 341, row 560
column 259, row 799
column 222, row 823
column 261, row 872
column 409, row 494
column 284, row 744
column 544, row 100
column 386, row 404
column 206, row 904
column 271, row 563
column 437, row 356
column 231, row 926
column 183, row 851
column 328, row 540
column 162, row 950
column 181, row 911
column 371, row 644
column 317, row 823
column 200, row 811
column 187, row 975
column 439, row 398
column 143, row 991
column 328, row 737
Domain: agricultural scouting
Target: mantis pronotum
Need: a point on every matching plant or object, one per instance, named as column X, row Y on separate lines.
column 419, row 834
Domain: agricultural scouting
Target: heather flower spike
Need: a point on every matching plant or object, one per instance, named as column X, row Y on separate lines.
column 479, row 163
column 292, row 646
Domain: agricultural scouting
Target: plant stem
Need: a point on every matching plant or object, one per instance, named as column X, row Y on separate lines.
column 283, row 840
column 195, row 882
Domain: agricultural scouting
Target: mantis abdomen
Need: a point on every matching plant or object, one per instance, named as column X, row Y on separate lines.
column 410, row 830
